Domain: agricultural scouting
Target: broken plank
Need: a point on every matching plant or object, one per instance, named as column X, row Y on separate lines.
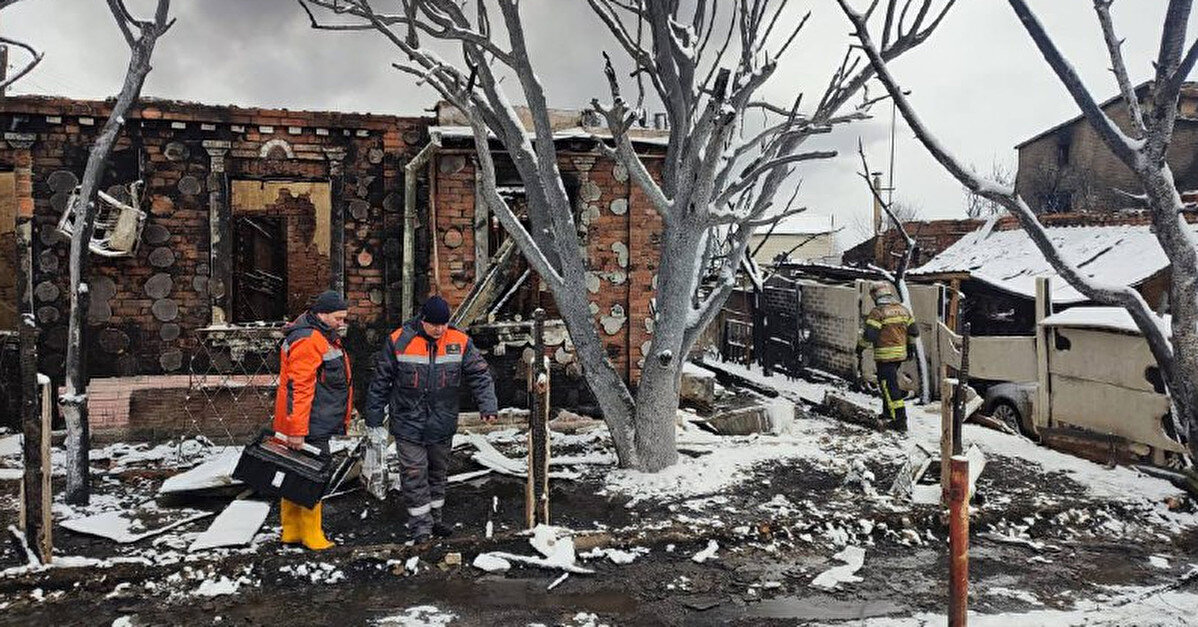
column 236, row 526
column 845, row 410
column 214, row 473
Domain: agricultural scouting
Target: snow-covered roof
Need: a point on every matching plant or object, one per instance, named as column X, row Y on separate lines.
column 1112, row 318
column 656, row 138
column 1009, row 261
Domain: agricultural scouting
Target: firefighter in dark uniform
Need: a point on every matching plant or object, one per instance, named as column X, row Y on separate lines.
column 890, row 331
column 313, row 401
column 417, row 382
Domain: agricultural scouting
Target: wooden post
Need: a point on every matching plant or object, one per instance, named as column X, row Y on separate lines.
column 1042, row 407
column 35, row 425
column 537, row 491
column 220, row 234
column 958, row 542
column 947, row 404
column 959, row 393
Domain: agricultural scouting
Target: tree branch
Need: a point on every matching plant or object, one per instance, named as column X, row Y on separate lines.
column 1124, row 147
column 1114, row 47
column 36, row 58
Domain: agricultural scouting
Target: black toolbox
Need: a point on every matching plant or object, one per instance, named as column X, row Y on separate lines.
column 271, row 468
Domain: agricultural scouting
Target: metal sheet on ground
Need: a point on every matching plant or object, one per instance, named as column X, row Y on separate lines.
column 236, row 526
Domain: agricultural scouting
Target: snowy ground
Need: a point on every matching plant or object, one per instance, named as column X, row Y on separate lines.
column 797, row 527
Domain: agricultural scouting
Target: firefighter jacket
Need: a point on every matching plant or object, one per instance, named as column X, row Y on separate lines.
column 315, row 393
column 889, row 328
column 418, row 379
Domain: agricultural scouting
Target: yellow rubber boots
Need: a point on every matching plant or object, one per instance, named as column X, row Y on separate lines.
column 290, row 515
column 302, row 525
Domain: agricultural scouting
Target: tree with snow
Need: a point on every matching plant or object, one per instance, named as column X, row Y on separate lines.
column 74, row 401
column 707, row 62
column 35, row 56
column 1142, row 146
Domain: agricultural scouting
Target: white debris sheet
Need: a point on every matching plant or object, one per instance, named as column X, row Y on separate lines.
column 127, row 526
column 216, row 472
column 236, row 526
column 853, row 558
column 555, row 543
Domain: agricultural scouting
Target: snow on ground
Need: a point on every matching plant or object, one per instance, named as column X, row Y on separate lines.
column 1114, row 483
column 727, row 463
column 419, row 616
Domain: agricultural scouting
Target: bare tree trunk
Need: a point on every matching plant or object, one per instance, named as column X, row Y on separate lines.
column 74, row 402
column 1172, row 232
column 657, row 395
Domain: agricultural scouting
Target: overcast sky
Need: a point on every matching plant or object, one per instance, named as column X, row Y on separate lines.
column 978, row 82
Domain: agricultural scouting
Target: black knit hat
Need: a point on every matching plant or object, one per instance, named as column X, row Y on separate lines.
column 435, row 310
column 328, row 302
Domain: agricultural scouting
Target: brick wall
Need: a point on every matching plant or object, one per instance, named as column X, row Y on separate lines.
column 830, row 312
column 618, row 227
column 146, row 308
column 933, row 236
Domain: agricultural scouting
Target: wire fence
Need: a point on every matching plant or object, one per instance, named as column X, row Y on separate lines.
column 232, row 378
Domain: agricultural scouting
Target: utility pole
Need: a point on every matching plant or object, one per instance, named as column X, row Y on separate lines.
column 879, row 249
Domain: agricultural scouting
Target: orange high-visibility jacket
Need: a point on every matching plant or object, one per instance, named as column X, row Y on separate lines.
column 316, row 392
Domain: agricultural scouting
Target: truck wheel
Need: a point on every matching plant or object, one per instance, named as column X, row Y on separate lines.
column 1006, row 413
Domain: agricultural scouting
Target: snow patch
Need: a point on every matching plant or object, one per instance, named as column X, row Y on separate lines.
column 707, row 553
column 853, row 558
column 419, row 616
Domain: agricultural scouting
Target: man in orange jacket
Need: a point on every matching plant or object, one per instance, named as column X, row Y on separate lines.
column 313, row 401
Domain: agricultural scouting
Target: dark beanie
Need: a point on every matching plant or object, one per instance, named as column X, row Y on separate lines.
column 328, row 302
column 435, row 310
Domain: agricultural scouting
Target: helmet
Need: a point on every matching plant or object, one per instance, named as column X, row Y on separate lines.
column 881, row 288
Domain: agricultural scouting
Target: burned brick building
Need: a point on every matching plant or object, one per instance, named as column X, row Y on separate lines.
column 1068, row 168
column 239, row 215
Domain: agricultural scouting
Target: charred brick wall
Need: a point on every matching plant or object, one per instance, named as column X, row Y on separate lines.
column 145, row 308
column 618, row 228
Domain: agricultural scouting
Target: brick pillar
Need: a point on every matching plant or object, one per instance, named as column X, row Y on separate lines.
column 336, row 157
column 22, row 144
column 220, row 233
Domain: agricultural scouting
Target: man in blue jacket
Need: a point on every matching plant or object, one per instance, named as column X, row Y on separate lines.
column 417, row 381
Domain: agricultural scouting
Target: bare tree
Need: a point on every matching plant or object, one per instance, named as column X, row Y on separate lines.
column 35, row 56
column 1143, row 149
column 979, row 207
column 903, row 210
column 707, row 63
column 141, row 35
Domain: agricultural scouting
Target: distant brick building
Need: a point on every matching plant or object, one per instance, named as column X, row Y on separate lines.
column 1068, row 168
column 932, row 236
column 248, row 212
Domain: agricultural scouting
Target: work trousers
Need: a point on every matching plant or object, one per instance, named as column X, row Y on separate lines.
column 892, row 396
column 423, row 471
